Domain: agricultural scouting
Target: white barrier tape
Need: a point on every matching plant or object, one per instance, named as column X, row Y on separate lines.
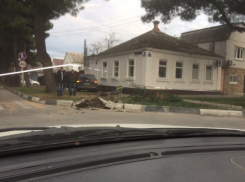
column 65, row 65
column 37, row 69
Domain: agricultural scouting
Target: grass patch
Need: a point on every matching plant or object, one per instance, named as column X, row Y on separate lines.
column 130, row 100
column 238, row 101
column 41, row 93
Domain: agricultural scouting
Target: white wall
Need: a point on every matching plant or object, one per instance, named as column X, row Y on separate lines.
column 68, row 60
column 146, row 72
column 219, row 47
column 153, row 80
column 236, row 39
column 123, row 79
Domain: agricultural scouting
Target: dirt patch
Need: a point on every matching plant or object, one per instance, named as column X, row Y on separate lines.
column 96, row 103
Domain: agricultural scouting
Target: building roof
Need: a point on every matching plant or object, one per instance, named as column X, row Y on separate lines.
column 58, row 61
column 76, row 57
column 212, row 34
column 158, row 40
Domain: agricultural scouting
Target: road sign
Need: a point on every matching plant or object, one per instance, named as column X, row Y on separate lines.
column 22, row 64
column 22, row 55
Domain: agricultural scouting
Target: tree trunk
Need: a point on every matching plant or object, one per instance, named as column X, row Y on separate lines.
column 27, row 80
column 42, row 53
column 15, row 54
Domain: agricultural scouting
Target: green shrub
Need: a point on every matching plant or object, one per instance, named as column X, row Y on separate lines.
column 143, row 94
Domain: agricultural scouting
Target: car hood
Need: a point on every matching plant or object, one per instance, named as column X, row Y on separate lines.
column 8, row 133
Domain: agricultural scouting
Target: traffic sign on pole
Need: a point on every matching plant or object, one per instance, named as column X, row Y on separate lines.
column 22, row 55
column 22, row 64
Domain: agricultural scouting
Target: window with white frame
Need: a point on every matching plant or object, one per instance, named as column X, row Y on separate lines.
column 239, row 53
column 104, row 74
column 131, row 68
column 208, row 73
column 233, row 79
column 179, row 70
column 162, row 69
column 116, row 68
column 195, row 71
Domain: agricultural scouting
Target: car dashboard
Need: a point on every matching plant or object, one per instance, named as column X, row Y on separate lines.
column 179, row 159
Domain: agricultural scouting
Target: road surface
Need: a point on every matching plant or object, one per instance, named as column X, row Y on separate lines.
column 18, row 112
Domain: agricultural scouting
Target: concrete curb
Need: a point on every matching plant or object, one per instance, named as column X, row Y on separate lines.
column 30, row 98
column 221, row 113
column 227, row 106
column 64, row 103
column 165, row 109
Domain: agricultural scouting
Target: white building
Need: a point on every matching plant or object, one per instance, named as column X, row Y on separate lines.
column 74, row 58
column 230, row 44
column 157, row 61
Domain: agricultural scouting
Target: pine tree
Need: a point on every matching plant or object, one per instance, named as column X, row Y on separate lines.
column 222, row 11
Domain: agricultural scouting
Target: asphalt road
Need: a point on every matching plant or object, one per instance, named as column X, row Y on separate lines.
column 18, row 112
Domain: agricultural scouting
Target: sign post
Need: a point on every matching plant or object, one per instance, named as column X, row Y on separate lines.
column 22, row 64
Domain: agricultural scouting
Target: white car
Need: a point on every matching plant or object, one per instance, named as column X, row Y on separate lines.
column 33, row 83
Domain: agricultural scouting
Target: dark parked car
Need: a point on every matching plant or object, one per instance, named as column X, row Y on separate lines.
column 87, row 82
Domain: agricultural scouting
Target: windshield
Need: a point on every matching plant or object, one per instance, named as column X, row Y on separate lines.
column 86, row 76
column 127, row 63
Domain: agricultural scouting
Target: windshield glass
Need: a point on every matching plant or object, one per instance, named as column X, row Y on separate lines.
column 127, row 63
column 86, row 76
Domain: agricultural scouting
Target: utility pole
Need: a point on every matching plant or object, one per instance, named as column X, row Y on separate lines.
column 85, row 54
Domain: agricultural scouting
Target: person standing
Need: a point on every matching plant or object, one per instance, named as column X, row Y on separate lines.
column 61, row 80
column 72, row 82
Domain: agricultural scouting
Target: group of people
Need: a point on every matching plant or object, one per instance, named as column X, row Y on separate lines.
column 66, row 80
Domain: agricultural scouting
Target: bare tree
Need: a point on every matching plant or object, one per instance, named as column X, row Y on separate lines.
column 110, row 40
column 96, row 48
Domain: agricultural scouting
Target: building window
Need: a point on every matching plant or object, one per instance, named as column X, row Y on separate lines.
column 195, row 71
column 104, row 74
column 131, row 68
column 209, row 73
column 233, row 79
column 162, row 69
column 239, row 53
column 116, row 68
column 179, row 70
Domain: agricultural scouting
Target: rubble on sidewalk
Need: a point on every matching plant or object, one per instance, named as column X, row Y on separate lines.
column 83, row 103
column 96, row 103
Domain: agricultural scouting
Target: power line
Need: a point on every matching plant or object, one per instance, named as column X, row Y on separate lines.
column 54, row 47
column 90, row 30
column 70, row 31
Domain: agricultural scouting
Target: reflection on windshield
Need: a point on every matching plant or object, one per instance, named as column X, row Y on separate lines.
column 179, row 67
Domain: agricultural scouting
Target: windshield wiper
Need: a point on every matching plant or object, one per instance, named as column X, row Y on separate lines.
column 53, row 138
column 23, row 129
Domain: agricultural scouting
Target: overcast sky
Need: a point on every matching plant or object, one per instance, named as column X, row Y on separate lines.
column 100, row 17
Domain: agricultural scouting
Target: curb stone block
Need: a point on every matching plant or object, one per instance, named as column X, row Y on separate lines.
column 103, row 101
column 29, row 98
column 119, row 106
column 132, row 107
column 25, row 96
column 223, row 113
column 35, row 99
column 243, row 113
column 156, row 109
column 51, row 102
column 184, row 110
column 64, row 103
column 110, row 105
